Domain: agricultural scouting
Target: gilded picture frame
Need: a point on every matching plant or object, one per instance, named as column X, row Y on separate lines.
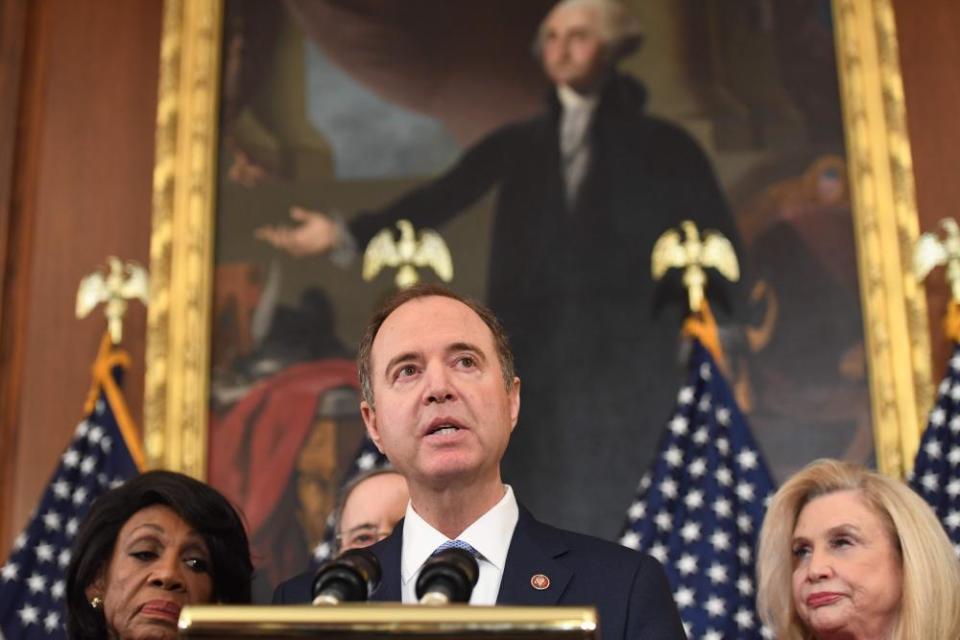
column 182, row 240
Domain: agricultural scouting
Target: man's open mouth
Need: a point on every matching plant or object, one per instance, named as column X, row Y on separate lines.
column 443, row 428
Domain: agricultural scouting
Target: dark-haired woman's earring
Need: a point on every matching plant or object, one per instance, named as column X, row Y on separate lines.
column 96, row 602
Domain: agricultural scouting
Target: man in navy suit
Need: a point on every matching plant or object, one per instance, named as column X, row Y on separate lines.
column 440, row 399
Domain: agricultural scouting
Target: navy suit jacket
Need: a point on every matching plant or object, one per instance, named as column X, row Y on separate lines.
column 629, row 589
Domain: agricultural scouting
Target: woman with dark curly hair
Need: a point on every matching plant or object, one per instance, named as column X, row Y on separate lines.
column 157, row 543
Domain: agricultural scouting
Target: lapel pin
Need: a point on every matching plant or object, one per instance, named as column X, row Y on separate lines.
column 539, row 581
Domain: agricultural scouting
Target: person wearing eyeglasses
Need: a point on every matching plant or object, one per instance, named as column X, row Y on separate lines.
column 370, row 506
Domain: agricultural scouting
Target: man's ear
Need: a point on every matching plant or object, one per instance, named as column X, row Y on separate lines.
column 369, row 415
column 514, row 394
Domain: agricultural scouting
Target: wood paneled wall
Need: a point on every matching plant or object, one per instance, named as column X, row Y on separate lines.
column 13, row 33
column 930, row 62
column 82, row 176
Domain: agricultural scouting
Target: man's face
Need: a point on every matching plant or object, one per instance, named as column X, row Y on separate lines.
column 372, row 509
column 573, row 50
column 443, row 413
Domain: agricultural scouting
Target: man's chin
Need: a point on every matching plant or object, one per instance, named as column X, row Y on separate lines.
column 450, row 472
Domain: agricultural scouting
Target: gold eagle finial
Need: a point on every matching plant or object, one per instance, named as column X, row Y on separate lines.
column 407, row 253
column 931, row 252
column 120, row 283
column 693, row 255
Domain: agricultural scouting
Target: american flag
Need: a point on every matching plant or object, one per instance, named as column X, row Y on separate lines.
column 367, row 458
column 98, row 458
column 936, row 471
column 698, row 510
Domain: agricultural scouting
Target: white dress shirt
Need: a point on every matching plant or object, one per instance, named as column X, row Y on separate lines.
column 577, row 114
column 489, row 535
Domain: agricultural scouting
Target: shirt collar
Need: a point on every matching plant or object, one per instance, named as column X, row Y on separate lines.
column 490, row 535
column 571, row 100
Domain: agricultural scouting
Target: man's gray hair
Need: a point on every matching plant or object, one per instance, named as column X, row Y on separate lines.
column 619, row 29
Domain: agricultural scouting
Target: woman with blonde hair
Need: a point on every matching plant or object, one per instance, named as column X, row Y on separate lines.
column 849, row 553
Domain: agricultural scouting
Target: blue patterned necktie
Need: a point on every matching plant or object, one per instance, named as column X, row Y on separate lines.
column 456, row 544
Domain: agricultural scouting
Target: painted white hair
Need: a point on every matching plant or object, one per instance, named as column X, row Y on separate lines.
column 619, row 30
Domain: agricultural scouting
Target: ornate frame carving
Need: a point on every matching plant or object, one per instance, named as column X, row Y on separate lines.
column 885, row 220
column 886, row 228
column 181, row 240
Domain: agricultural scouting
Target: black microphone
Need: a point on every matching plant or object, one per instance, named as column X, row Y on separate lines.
column 448, row 576
column 350, row 577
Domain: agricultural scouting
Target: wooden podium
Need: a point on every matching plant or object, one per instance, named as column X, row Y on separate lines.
column 376, row 621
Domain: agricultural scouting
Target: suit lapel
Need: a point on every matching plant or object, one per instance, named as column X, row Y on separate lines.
column 534, row 551
column 388, row 553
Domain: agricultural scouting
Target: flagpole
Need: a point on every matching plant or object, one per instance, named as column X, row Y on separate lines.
column 703, row 327
column 107, row 358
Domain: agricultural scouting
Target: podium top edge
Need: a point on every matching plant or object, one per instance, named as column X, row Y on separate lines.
column 387, row 618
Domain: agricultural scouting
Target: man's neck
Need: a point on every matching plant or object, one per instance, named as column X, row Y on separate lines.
column 452, row 509
column 593, row 88
column 570, row 97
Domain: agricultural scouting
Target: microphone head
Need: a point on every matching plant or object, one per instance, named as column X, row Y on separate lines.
column 452, row 573
column 366, row 563
column 350, row 577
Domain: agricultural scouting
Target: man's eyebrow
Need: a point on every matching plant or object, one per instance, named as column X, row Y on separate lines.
column 415, row 356
column 360, row 527
column 403, row 357
column 466, row 346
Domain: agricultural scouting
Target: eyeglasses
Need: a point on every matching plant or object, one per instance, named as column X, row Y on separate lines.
column 363, row 535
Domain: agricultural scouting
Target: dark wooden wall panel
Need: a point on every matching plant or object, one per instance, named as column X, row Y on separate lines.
column 93, row 194
column 15, row 24
column 930, row 63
